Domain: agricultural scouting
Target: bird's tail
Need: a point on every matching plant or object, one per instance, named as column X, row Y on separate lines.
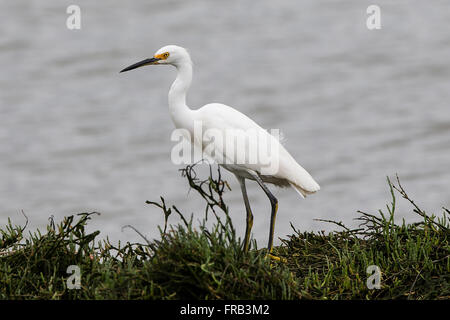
column 303, row 192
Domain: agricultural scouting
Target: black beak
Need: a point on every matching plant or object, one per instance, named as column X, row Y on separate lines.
column 142, row 63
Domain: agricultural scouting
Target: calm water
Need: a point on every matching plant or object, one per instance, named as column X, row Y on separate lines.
column 354, row 105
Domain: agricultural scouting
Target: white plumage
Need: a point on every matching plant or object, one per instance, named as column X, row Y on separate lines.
column 219, row 120
column 222, row 117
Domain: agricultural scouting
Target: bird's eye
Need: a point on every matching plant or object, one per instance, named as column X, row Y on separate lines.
column 165, row 55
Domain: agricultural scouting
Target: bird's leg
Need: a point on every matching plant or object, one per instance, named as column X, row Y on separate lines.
column 274, row 204
column 248, row 228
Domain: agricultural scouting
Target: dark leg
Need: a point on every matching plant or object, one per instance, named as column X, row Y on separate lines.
column 248, row 229
column 274, row 204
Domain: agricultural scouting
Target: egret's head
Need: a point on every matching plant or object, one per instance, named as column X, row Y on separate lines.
column 171, row 54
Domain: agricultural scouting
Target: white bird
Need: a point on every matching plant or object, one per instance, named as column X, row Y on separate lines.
column 220, row 118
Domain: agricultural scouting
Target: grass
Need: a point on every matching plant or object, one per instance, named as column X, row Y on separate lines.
column 200, row 262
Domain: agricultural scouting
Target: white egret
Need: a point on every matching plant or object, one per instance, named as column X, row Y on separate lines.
column 222, row 118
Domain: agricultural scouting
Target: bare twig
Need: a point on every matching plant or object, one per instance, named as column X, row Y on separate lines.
column 417, row 210
column 138, row 232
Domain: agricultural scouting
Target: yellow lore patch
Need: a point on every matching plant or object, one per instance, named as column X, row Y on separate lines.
column 162, row 56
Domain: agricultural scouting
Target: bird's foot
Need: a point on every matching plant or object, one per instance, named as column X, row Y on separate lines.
column 279, row 259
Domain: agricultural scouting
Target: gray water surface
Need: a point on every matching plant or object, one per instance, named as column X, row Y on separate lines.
column 354, row 105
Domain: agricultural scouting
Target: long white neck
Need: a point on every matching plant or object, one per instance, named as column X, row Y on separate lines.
column 179, row 111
